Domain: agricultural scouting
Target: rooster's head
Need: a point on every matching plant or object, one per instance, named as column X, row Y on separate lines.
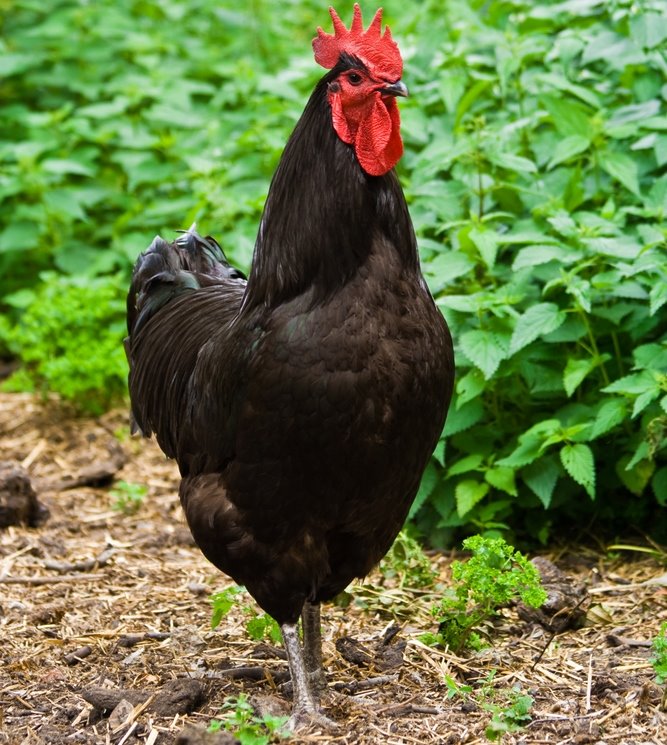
column 363, row 94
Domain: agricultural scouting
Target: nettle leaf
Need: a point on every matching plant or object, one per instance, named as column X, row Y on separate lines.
column 543, row 254
column 428, row 483
column 486, row 243
column 461, row 418
column 645, row 385
column 484, row 349
column 542, row 318
column 575, row 372
column 469, row 463
column 611, row 414
column 659, row 486
column 567, row 148
column 468, row 493
column 648, row 30
column 512, row 162
column 570, row 118
column 526, row 452
column 502, row 477
column 471, row 385
column 635, row 473
column 541, row 477
column 578, row 461
column 621, row 167
column 658, row 296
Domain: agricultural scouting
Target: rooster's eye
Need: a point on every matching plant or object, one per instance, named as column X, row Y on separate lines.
column 354, row 78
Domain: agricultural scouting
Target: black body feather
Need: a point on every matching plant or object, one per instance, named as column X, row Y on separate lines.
column 301, row 407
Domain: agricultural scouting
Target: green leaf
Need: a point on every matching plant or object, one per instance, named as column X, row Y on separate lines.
column 570, row 118
column 512, row 162
column 541, row 477
column 575, row 372
column 610, row 415
column 658, row 296
column 502, row 477
column 542, row 254
column 568, row 148
column 469, row 463
column 468, row 493
column 526, row 452
column 621, row 167
column 538, row 320
column 471, row 385
column 578, row 461
column 659, row 485
column 66, row 166
column 486, row 243
column 483, row 349
column 464, row 417
column 428, row 483
column 635, row 476
column 649, row 29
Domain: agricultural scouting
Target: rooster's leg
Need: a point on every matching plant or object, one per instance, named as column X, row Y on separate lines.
column 305, row 708
column 312, row 648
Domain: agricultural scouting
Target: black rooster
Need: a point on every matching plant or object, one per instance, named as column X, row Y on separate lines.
column 303, row 405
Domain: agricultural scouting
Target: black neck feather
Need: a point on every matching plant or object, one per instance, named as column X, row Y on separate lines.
column 322, row 214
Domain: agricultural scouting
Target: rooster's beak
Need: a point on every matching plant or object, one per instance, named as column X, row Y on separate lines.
column 395, row 89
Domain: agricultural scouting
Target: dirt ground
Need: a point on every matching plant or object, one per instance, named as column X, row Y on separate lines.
column 105, row 633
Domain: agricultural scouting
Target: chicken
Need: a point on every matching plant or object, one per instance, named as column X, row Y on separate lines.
column 302, row 405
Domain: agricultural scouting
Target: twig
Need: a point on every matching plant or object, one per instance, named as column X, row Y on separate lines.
column 353, row 686
column 81, row 566
column 589, row 683
column 49, row 580
column 553, row 632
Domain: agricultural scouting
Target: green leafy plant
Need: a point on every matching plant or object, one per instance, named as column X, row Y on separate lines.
column 536, row 166
column 406, row 563
column 495, row 575
column 240, row 719
column 511, row 715
column 259, row 625
column 659, row 657
column 128, row 497
column 69, row 339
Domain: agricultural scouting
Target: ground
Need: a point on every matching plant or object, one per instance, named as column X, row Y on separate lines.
column 98, row 606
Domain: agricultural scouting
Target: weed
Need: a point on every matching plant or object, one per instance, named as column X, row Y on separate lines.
column 258, row 626
column 495, row 575
column 407, row 563
column 69, row 339
column 128, row 497
column 456, row 689
column 659, row 658
column 510, row 716
column 240, row 719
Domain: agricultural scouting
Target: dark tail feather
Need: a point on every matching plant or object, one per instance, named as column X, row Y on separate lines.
column 167, row 270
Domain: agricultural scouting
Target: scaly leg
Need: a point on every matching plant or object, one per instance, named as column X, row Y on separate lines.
column 305, row 707
column 312, row 648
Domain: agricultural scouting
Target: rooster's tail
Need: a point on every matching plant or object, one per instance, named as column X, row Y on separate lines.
column 167, row 270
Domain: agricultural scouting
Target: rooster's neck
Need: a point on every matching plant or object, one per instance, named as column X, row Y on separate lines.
column 322, row 215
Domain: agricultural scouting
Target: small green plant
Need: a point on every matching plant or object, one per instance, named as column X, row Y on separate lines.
column 659, row 658
column 69, row 339
column 510, row 716
column 456, row 689
column 128, row 497
column 240, row 719
column 495, row 575
column 259, row 626
column 407, row 564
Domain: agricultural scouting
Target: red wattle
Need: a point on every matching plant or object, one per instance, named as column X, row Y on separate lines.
column 376, row 136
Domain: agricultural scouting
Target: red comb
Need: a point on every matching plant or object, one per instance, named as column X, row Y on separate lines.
column 376, row 50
